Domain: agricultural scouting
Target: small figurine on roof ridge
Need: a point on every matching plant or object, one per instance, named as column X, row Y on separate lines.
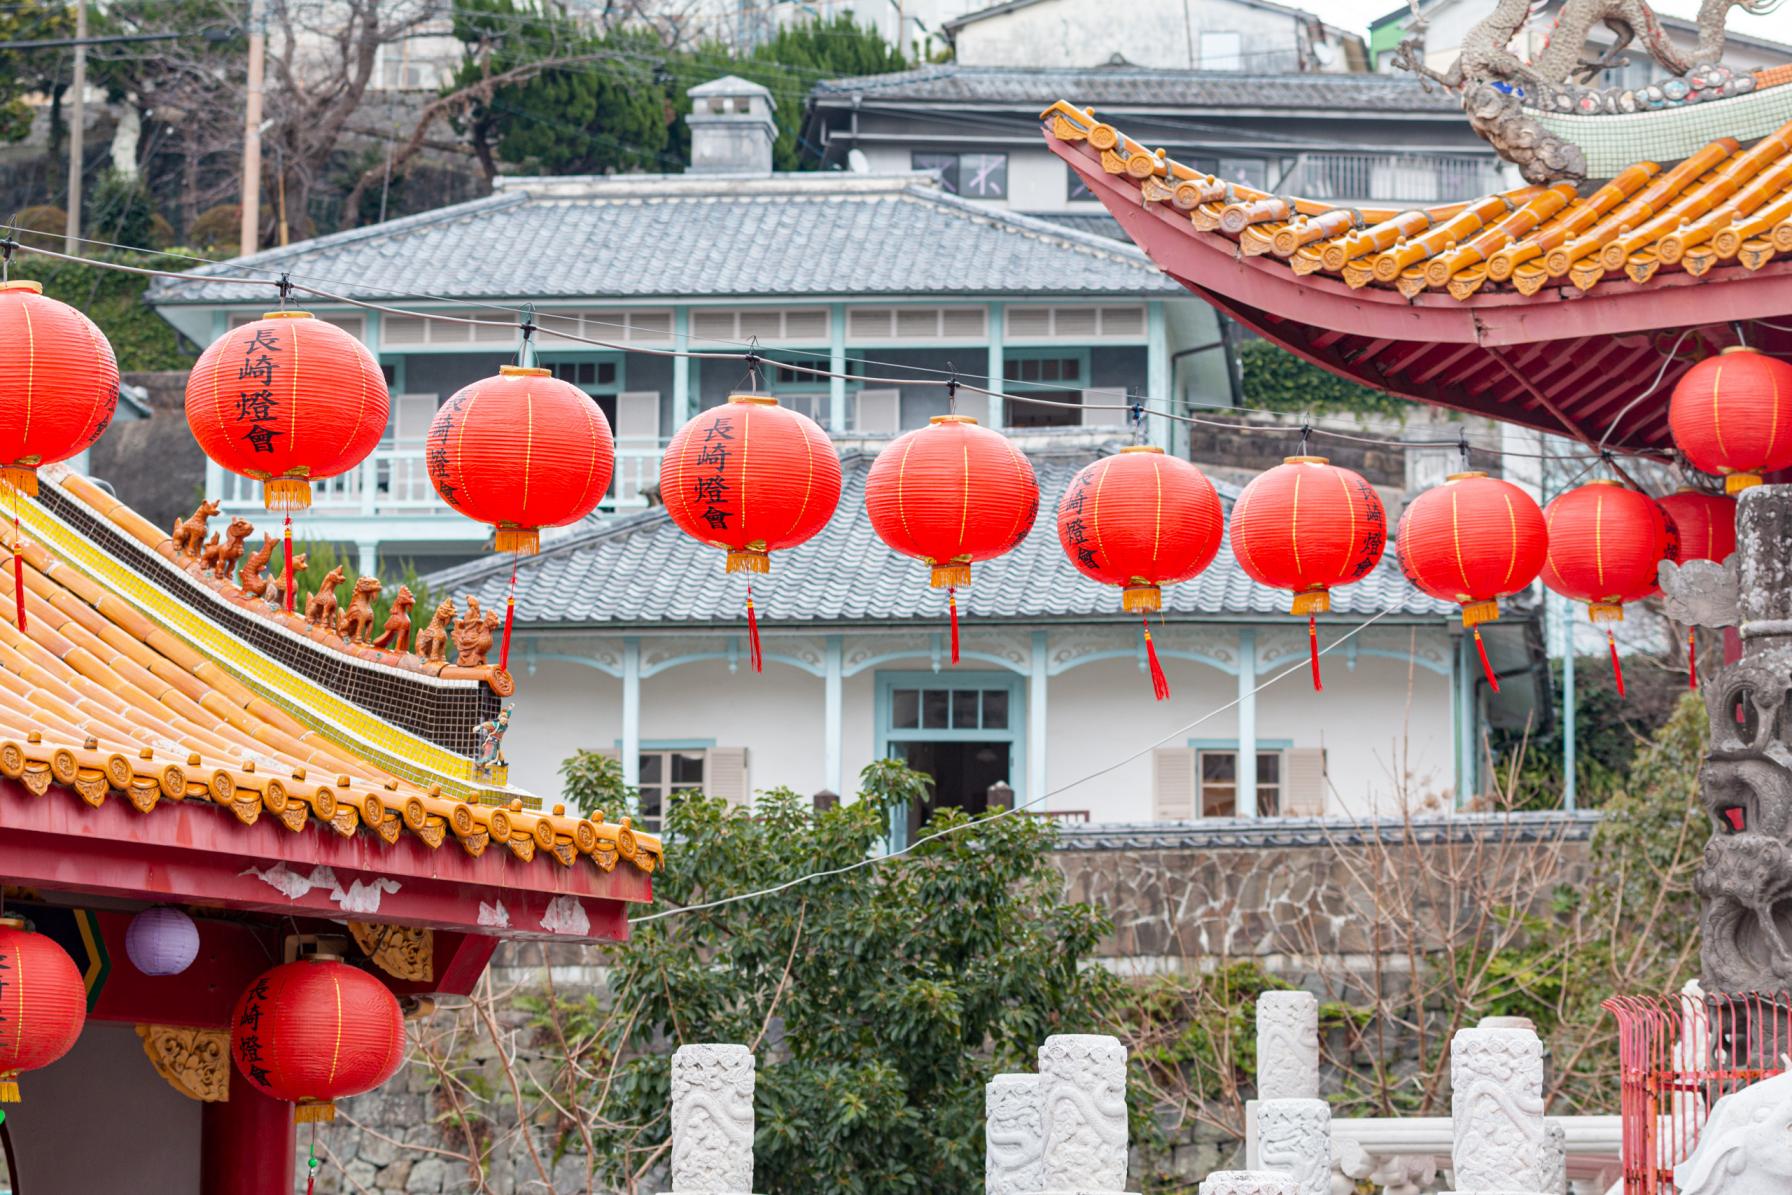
column 189, row 533
column 432, row 640
column 231, row 550
column 355, row 624
column 253, row 579
column 277, row 584
column 321, row 606
column 491, row 740
column 208, row 555
column 473, row 635
column 397, row 633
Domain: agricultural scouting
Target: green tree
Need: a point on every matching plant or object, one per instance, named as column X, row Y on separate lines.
column 880, row 1001
column 24, row 72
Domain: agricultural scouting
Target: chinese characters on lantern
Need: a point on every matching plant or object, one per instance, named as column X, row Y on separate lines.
column 255, row 403
column 435, row 451
column 248, row 1042
column 1376, row 537
column 1076, row 531
column 711, row 488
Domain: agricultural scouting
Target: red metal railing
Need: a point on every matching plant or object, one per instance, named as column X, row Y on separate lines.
column 1677, row 1056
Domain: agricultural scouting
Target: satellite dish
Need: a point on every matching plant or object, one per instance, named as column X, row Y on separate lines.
column 857, row 162
column 1326, row 53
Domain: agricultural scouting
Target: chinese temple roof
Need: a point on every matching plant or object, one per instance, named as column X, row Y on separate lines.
column 1549, row 306
column 131, row 686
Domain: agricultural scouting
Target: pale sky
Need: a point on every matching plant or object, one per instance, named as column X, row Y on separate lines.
column 1356, row 14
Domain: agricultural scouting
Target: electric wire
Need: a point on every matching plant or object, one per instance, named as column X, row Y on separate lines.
column 871, row 860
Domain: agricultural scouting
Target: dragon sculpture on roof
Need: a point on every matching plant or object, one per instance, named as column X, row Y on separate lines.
column 1511, row 102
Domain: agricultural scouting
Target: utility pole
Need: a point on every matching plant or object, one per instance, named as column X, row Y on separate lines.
column 258, row 52
column 77, row 132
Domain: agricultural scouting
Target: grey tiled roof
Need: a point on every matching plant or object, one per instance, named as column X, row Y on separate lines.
column 1093, row 223
column 643, row 571
column 682, row 236
column 1132, row 86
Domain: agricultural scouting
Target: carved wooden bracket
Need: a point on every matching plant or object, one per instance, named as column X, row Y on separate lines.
column 401, row 951
column 196, row 1062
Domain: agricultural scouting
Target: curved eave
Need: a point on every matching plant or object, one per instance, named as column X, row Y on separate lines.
column 1561, row 360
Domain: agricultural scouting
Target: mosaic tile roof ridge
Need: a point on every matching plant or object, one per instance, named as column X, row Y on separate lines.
column 109, row 690
column 1724, row 208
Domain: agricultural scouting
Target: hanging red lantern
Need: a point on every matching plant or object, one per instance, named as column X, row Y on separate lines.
column 287, row 400
column 43, row 1003
column 1309, row 526
column 1141, row 520
column 58, row 383
column 950, row 494
column 750, row 477
column 315, row 1031
column 1473, row 540
column 1705, row 525
column 1606, row 545
column 1730, row 415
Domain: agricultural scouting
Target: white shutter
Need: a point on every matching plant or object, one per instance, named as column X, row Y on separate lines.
column 725, row 776
column 1173, row 784
column 877, row 411
column 638, row 417
column 1303, row 782
column 411, row 417
column 1104, row 396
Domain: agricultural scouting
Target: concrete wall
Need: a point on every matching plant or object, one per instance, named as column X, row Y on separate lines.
column 1165, row 34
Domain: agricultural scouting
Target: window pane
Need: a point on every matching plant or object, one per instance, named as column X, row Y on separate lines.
column 983, row 176
column 1011, row 370
column 942, row 166
column 651, row 807
column 1269, row 767
column 1072, row 368
column 1269, row 800
column 933, row 708
column 1219, row 765
column 995, row 709
column 651, row 764
column 687, row 768
column 905, row 712
column 1048, row 369
column 606, row 372
column 587, row 372
column 1219, row 800
column 964, row 709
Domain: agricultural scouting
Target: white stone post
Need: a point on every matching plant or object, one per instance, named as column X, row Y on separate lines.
column 1496, row 1108
column 1248, row 1182
column 1555, row 1159
column 712, row 1120
column 1294, row 1137
column 1012, row 1140
column 1287, row 1046
column 1082, row 1102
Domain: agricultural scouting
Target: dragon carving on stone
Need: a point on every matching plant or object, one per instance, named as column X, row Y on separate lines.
column 1501, row 92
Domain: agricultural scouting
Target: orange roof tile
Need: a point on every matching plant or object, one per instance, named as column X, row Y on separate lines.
column 112, row 688
column 1723, row 204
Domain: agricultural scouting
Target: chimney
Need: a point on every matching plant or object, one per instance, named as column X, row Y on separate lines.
column 731, row 127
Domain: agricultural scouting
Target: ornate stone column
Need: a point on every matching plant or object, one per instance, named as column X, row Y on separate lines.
column 1287, row 1046
column 1012, row 1138
column 1082, row 1102
column 1496, row 1108
column 1746, row 783
column 1294, row 1137
column 1248, row 1182
column 712, row 1120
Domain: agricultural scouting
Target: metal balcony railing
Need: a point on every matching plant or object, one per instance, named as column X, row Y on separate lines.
column 1390, row 178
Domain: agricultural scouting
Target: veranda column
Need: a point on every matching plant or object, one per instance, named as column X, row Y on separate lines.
column 1082, row 1101
column 246, row 1143
column 712, row 1120
column 1496, row 1108
column 1012, row 1140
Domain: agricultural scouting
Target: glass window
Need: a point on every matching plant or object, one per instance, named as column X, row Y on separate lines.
column 652, row 767
column 964, row 709
column 1269, row 783
column 933, row 708
column 687, row 770
column 983, row 176
column 606, row 373
column 943, row 166
column 905, row 712
column 1219, row 784
column 1076, row 189
column 995, row 709
column 665, row 774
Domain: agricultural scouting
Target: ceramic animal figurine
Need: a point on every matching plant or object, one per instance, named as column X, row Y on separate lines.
column 397, row 633
column 253, row 580
column 189, row 533
column 355, row 624
column 320, row 608
column 432, row 640
column 231, row 550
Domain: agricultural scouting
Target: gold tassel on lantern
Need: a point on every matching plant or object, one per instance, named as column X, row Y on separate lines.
column 749, row 560
column 313, row 1111
column 1314, row 601
column 286, row 493
column 21, row 478
column 9, row 1088
column 1476, row 613
column 525, row 541
column 953, row 574
column 1136, row 599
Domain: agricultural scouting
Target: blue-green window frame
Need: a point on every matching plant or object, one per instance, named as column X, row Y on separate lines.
column 1041, row 352
column 552, row 357
column 1015, row 735
column 1232, row 745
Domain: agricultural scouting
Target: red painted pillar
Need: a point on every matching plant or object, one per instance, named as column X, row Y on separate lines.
column 247, row 1144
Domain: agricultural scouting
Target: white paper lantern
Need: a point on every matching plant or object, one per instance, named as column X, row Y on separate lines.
column 162, row 941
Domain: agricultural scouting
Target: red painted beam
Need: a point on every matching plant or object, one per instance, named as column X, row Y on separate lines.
column 192, row 852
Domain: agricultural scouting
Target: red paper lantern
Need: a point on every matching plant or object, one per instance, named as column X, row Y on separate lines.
column 1141, row 520
column 1307, row 526
column 1473, row 540
column 58, row 383
column 1705, row 523
column 521, row 451
column 287, row 400
column 1606, row 545
column 950, row 494
column 315, row 1031
column 43, row 1003
column 750, row 477
column 1732, row 415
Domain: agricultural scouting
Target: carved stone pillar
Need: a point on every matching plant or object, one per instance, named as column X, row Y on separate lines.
column 1012, row 1140
column 1294, row 1137
column 1248, row 1182
column 1082, row 1102
column 1496, row 1108
column 712, row 1120
column 1746, row 783
column 1555, row 1159
column 1287, row 1046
